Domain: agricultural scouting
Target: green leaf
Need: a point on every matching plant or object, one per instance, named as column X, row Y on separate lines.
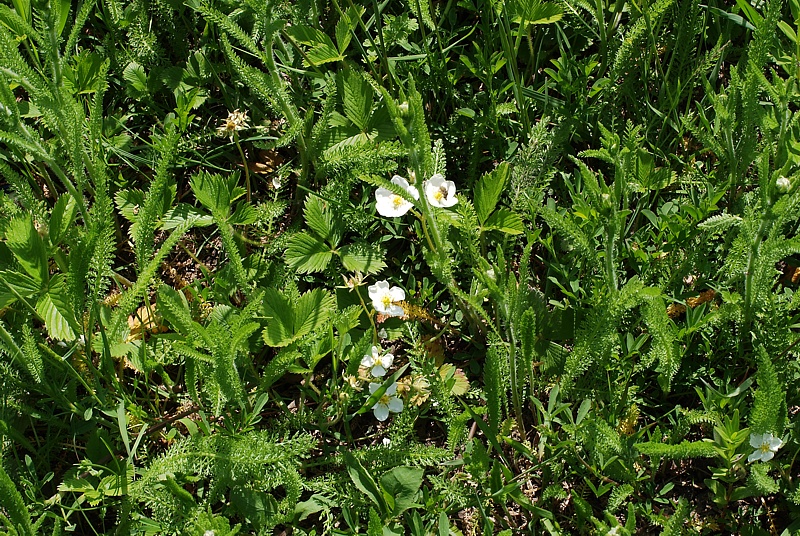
column 307, row 253
column 136, row 80
column 313, row 310
column 357, row 100
column 362, row 257
column 322, row 48
column 402, row 484
column 290, row 322
column 183, row 213
column 320, row 218
column 280, row 328
column 28, row 247
column 14, row 285
column 535, row 12
column 61, row 218
column 488, row 191
column 506, row 221
column 364, row 481
column 54, row 308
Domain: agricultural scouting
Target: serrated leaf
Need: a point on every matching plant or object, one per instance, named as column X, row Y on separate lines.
column 313, row 310
column 307, row 253
column 488, row 191
column 320, row 218
column 61, row 218
column 362, row 257
column 506, row 221
column 290, row 322
column 535, row 12
column 136, row 80
column 28, row 247
column 357, row 99
column 53, row 306
column 183, row 212
column 280, row 326
column 129, row 202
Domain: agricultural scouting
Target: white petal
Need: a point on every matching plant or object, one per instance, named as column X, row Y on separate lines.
column 756, row 440
column 378, row 371
column 767, row 456
column 775, row 443
column 386, row 360
column 397, row 294
column 381, row 412
column 367, row 361
column 754, row 456
column 391, row 390
column 373, row 387
column 400, row 181
column 394, row 310
column 395, row 405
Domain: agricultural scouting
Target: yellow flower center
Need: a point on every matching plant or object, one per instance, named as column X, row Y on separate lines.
column 386, row 301
column 384, row 400
column 397, row 201
column 438, row 195
column 764, row 447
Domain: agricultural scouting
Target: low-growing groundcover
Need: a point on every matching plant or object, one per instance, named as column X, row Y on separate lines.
column 403, row 267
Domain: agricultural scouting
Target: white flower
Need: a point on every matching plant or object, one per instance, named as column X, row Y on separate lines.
column 386, row 403
column 384, row 299
column 613, row 531
column 276, row 182
column 390, row 204
column 386, row 442
column 440, row 193
column 209, row 533
column 783, row 184
column 377, row 364
column 766, row 446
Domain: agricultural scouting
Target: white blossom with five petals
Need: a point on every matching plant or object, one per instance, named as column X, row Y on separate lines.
column 387, row 403
column 390, row 204
column 385, row 300
column 377, row 364
column 440, row 193
column 766, row 446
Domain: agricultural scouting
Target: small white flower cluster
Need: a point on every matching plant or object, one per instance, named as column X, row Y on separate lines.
column 439, row 193
column 378, row 365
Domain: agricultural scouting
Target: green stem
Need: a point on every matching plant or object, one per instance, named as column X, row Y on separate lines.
column 244, row 163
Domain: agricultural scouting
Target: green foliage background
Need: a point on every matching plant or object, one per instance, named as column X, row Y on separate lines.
column 595, row 336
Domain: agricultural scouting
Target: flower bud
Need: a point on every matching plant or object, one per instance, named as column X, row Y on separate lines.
column 783, row 184
column 403, row 107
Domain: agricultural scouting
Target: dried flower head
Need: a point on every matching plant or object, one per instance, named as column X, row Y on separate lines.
column 236, row 121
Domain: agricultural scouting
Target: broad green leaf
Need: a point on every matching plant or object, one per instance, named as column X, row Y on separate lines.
column 322, row 48
column 129, row 202
column 357, row 99
column 280, row 327
column 535, row 12
column 136, row 79
column 28, row 247
column 306, row 253
column 183, row 212
column 61, row 218
column 320, row 218
column 245, row 214
column 216, row 193
column 402, row 483
column 14, row 285
column 362, row 257
column 313, row 309
column 506, row 221
column 488, row 191
column 53, row 306
column 364, row 481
